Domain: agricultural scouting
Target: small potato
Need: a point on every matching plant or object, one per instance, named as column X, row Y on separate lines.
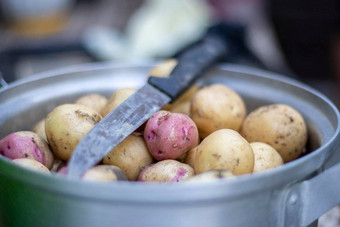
column 27, row 144
column 166, row 171
column 278, row 125
column 217, row 107
column 31, row 164
column 39, row 128
column 266, row 157
column 182, row 104
column 211, row 175
column 66, row 125
column 116, row 99
column 224, row 149
column 104, row 173
column 131, row 156
column 191, row 156
column 169, row 135
column 164, row 68
column 94, row 101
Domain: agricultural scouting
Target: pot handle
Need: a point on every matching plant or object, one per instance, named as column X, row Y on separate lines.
column 3, row 83
column 308, row 200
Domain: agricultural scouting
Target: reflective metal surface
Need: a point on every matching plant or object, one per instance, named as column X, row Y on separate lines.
column 28, row 198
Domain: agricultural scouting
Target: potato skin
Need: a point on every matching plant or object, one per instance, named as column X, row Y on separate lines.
column 224, row 149
column 27, row 144
column 94, row 101
column 266, row 157
column 217, row 107
column 278, row 125
column 169, row 135
column 39, row 128
column 31, row 164
column 211, row 175
column 166, row 171
column 131, row 156
column 104, row 173
column 66, row 125
column 116, row 99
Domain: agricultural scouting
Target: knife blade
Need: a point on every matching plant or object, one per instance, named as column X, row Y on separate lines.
column 139, row 107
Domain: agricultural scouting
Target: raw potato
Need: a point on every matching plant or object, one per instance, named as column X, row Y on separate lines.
column 31, row 164
column 217, row 107
column 27, row 144
column 266, row 157
column 224, row 149
column 94, row 101
column 182, row 104
column 278, row 125
column 170, row 135
column 166, row 171
column 211, row 175
column 116, row 99
column 104, row 173
column 164, row 68
column 190, row 157
column 39, row 128
column 131, row 156
column 66, row 125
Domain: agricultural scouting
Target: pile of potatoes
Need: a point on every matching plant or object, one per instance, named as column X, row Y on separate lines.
column 206, row 134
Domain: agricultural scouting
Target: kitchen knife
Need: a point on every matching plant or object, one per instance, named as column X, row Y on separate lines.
column 139, row 107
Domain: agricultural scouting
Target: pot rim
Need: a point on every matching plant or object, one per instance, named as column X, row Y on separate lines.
column 173, row 192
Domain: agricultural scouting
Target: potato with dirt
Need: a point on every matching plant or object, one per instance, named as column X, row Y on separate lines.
column 27, row 144
column 166, row 171
column 94, row 101
column 224, row 149
column 39, row 128
column 116, row 99
column 170, row 135
column 217, row 107
column 266, row 157
column 131, row 156
column 104, row 173
column 279, row 125
column 66, row 125
column 211, row 175
column 31, row 164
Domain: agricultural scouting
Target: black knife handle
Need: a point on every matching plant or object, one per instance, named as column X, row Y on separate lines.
column 192, row 64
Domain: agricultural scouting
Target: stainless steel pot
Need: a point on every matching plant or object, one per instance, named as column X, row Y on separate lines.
column 294, row 194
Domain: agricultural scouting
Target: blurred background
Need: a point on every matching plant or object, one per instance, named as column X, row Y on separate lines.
column 298, row 38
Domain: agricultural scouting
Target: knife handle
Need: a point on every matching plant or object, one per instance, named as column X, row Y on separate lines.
column 192, row 64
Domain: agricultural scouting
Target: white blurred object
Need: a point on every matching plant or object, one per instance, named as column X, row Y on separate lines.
column 156, row 30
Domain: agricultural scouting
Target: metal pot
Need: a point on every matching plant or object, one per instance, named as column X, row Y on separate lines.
column 294, row 194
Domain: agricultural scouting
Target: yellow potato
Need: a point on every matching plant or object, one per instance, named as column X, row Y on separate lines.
column 182, row 103
column 211, row 175
column 66, row 125
column 266, row 157
column 131, row 156
column 104, row 173
column 31, row 164
column 116, row 99
column 191, row 156
column 217, row 107
column 278, row 125
column 39, row 128
column 94, row 101
column 224, row 149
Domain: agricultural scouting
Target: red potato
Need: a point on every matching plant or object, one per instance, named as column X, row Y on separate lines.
column 166, row 171
column 169, row 135
column 27, row 144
